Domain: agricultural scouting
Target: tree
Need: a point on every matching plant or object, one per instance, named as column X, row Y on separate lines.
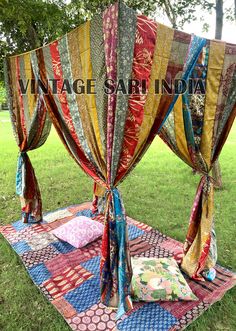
column 3, row 97
column 183, row 11
column 219, row 19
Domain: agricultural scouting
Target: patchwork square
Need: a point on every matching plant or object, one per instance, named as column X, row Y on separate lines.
column 76, row 208
column 64, row 307
column 154, row 237
column 150, row 317
column 172, row 245
column 7, row 231
column 21, row 247
column 190, row 316
column 156, row 251
column 139, row 225
column 32, row 258
column 41, row 240
column 45, row 292
column 56, row 215
column 98, row 317
column 134, row 232
column 63, row 247
column 39, row 228
column 39, row 273
column 85, row 212
column 92, row 265
column 73, row 258
column 84, row 296
column 138, row 246
column 24, row 234
column 19, row 225
column 67, row 281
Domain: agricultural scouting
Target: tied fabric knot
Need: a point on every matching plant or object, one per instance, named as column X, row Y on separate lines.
column 27, row 189
column 208, row 180
column 120, row 261
column 20, row 173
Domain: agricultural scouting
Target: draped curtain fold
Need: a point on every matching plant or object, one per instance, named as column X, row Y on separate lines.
column 196, row 131
column 31, row 127
column 108, row 133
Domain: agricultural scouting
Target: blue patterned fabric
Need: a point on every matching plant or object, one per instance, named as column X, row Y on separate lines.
column 21, row 247
column 19, row 173
column 196, row 47
column 197, row 43
column 123, row 281
column 134, row 232
column 84, row 296
column 39, row 273
column 18, row 225
column 85, row 212
column 63, row 247
column 150, row 317
column 92, row 265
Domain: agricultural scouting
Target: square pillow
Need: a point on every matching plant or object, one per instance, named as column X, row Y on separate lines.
column 159, row 279
column 79, row 231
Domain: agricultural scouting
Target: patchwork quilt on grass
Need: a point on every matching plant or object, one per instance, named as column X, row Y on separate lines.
column 69, row 277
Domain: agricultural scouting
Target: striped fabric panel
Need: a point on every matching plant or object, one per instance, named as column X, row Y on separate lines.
column 71, row 98
column 138, row 246
column 215, row 66
column 99, row 74
column 126, row 39
column 86, row 66
column 110, row 27
column 142, row 63
column 75, row 50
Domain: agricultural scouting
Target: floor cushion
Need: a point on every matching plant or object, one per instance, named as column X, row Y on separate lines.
column 79, row 231
column 156, row 279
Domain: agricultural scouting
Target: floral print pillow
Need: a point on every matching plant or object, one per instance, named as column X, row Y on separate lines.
column 79, row 231
column 159, row 279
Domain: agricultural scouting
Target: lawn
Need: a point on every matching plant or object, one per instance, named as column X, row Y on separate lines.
column 159, row 192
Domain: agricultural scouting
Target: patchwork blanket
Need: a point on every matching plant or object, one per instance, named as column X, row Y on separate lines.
column 69, row 277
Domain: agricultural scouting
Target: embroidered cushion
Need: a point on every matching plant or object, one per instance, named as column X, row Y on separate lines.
column 156, row 279
column 79, row 231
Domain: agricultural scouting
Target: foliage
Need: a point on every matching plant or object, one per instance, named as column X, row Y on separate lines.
column 3, row 97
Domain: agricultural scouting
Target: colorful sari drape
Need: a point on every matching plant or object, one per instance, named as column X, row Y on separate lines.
column 196, row 131
column 31, row 127
column 108, row 133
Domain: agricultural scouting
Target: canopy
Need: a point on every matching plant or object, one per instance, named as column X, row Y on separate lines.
column 108, row 133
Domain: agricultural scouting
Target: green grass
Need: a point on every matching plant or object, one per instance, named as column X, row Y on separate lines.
column 160, row 192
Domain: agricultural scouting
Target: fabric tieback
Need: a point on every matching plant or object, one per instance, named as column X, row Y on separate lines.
column 115, row 219
column 27, row 189
column 201, row 232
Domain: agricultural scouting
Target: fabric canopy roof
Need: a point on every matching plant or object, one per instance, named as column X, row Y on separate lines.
column 108, row 133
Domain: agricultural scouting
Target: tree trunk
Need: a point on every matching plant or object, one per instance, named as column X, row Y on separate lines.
column 235, row 9
column 170, row 13
column 219, row 19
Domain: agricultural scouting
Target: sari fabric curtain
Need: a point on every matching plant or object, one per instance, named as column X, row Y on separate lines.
column 196, row 131
column 108, row 133
column 31, row 127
